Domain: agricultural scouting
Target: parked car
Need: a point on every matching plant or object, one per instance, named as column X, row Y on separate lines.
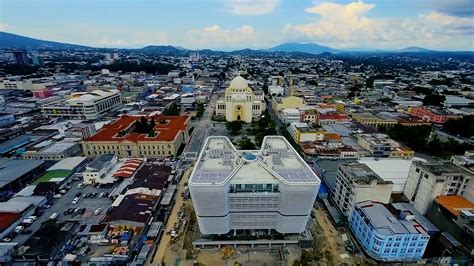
column 18, row 229
column 76, row 200
column 26, row 232
column 81, row 185
column 57, row 196
column 97, row 211
column 78, row 195
column 27, row 221
column 32, row 217
column 53, row 216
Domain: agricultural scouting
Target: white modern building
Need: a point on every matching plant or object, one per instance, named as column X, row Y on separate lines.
column 98, row 170
column 290, row 115
column 428, row 180
column 356, row 183
column 85, row 105
column 268, row 189
column 187, row 99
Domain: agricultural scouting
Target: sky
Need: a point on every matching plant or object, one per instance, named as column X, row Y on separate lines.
column 235, row 24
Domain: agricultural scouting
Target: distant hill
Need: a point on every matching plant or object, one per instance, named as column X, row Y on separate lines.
column 310, row 48
column 9, row 40
column 165, row 50
column 415, row 49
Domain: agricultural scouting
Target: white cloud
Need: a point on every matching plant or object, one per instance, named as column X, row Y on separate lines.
column 349, row 25
column 252, row 7
column 216, row 36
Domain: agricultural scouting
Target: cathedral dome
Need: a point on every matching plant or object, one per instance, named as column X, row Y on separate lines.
column 238, row 83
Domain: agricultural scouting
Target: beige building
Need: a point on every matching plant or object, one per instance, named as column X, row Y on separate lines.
column 289, row 102
column 240, row 103
column 355, row 183
column 120, row 137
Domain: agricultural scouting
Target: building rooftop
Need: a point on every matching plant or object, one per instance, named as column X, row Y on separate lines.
column 387, row 223
column 100, row 161
column 10, row 170
column 454, row 204
column 361, row 173
column 133, row 208
column 439, row 168
column 219, row 162
column 119, row 129
column 391, row 169
column 68, row 163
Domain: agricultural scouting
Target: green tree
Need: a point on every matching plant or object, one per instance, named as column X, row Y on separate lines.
column 434, row 100
column 234, row 127
column 171, row 110
column 463, row 127
column 246, row 143
column 200, row 110
column 152, row 124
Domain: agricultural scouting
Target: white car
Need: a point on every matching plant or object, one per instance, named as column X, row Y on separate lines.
column 97, row 211
column 32, row 217
column 81, row 185
column 57, row 196
column 28, row 221
column 19, row 228
column 76, row 200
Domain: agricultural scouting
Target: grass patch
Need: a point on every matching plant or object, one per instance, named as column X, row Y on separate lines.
column 51, row 174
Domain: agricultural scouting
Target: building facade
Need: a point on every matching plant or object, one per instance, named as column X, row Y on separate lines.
column 426, row 180
column 85, row 105
column 262, row 190
column 356, row 182
column 121, row 138
column 386, row 237
column 240, row 103
column 430, row 115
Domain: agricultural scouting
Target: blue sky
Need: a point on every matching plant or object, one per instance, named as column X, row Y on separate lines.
column 231, row 24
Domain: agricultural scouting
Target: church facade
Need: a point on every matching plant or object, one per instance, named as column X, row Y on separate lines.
column 240, row 103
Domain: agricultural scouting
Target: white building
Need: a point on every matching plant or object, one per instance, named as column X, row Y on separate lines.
column 356, row 183
column 98, row 170
column 428, row 180
column 85, row 105
column 276, row 90
column 187, row 99
column 268, row 189
column 290, row 115
column 391, row 169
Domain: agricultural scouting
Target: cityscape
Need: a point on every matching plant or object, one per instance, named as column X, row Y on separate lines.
column 329, row 136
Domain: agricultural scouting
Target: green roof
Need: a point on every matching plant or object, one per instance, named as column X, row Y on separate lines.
column 51, row 174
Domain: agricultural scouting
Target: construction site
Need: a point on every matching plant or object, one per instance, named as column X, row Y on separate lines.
column 331, row 245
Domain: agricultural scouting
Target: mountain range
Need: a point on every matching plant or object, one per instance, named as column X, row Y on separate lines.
column 9, row 41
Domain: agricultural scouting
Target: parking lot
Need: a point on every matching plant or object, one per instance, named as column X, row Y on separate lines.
column 65, row 202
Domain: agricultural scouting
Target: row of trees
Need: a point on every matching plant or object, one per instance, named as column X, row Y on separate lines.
column 418, row 138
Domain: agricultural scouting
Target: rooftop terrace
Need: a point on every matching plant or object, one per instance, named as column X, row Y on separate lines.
column 219, row 161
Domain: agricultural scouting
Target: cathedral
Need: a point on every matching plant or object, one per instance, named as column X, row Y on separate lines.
column 240, row 102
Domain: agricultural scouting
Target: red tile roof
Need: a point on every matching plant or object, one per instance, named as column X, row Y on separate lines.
column 166, row 132
column 7, row 219
column 454, row 204
column 334, row 116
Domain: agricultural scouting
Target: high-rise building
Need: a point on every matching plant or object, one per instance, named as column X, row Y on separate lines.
column 426, row 180
column 20, row 57
column 268, row 189
column 356, row 182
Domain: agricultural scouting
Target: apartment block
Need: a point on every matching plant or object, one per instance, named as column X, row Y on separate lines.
column 356, row 182
column 426, row 180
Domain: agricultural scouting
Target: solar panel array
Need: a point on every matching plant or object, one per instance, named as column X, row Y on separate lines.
column 217, row 164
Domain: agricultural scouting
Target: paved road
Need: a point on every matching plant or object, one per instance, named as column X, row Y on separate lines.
column 202, row 127
column 173, row 218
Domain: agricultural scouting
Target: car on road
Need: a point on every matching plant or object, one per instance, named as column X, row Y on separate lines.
column 81, row 185
column 57, row 196
column 97, row 211
column 26, row 232
column 76, row 200
column 18, row 229
column 32, row 217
